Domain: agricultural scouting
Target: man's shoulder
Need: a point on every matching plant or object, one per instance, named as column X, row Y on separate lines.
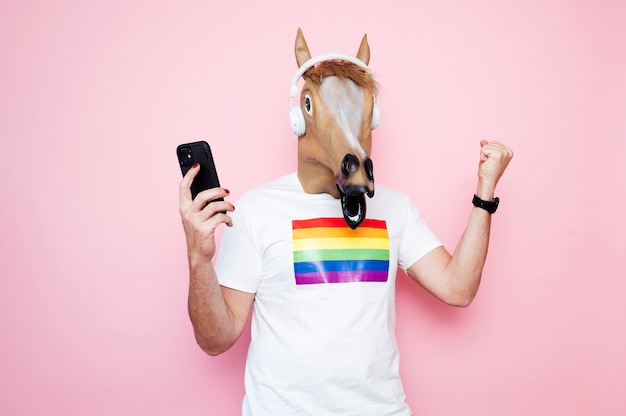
column 267, row 195
column 385, row 194
column 285, row 183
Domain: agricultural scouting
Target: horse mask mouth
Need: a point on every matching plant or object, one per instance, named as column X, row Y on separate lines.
column 352, row 196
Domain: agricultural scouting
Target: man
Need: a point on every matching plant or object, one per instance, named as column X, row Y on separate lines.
column 323, row 337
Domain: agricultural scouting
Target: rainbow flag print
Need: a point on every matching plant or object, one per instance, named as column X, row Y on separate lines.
column 326, row 250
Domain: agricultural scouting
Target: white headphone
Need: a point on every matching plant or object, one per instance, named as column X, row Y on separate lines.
column 298, row 124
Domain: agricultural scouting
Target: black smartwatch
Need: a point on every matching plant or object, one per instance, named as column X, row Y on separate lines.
column 489, row 206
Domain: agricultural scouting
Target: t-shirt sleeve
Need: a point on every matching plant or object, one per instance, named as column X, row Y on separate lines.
column 418, row 239
column 238, row 264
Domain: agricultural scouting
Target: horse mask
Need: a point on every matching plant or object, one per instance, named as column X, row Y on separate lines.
column 334, row 121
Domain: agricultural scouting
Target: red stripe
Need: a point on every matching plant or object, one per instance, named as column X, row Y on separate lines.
column 335, row 222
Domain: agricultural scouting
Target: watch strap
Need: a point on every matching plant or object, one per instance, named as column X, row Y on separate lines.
column 489, row 206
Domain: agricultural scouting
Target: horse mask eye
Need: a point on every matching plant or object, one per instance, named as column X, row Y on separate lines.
column 308, row 104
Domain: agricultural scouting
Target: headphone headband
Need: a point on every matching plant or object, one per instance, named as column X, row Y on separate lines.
column 321, row 58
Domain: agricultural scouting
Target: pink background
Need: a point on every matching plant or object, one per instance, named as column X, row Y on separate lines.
column 94, row 97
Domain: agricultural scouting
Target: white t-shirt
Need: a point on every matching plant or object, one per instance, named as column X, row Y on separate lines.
column 323, row 325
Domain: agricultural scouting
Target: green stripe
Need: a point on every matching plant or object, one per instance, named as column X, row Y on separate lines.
column 321, row 255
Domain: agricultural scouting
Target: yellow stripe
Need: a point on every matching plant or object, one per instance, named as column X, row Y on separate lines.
column 340, row 243
column 334, row 232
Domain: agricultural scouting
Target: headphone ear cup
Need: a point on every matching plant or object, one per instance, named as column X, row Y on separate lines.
column 375, row 116
column 298, row 124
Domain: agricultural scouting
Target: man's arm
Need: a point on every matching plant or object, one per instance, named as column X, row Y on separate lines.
column 455, row 278
column 218, row 314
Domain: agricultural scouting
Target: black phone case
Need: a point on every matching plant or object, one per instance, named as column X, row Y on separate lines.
column 198, row 152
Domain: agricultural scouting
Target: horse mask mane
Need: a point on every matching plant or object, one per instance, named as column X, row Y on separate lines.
column 360, row 76
column 338, row 111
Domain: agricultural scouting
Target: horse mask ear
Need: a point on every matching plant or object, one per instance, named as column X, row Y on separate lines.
column 302, row 50
column 363, row 54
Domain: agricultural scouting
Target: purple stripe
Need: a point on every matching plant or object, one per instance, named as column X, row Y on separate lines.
column 341, row 277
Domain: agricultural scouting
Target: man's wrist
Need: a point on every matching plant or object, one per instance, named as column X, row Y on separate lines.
column 485, row 190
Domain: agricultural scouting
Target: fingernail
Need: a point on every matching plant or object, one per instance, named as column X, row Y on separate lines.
column 227, row 191
column 195, row 166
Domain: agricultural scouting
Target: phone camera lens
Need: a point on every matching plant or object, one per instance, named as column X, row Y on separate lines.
column 186, row 157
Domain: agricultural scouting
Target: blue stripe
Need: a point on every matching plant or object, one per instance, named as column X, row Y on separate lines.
column 341, row 266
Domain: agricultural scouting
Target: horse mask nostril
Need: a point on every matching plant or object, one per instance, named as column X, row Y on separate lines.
column 369, row 169
column 349, row 165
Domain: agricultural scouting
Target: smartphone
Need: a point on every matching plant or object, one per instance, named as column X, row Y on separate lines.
column 198, row 152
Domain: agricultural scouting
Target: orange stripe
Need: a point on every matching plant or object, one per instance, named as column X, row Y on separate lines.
column 334, row 232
